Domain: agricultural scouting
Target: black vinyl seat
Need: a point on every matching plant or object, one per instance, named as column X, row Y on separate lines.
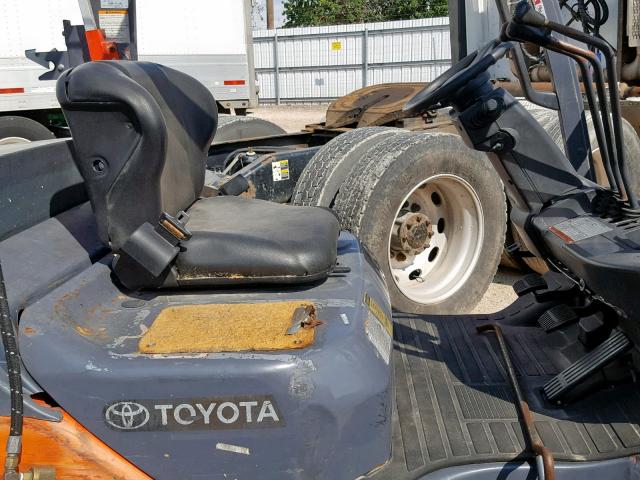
column 141, row 133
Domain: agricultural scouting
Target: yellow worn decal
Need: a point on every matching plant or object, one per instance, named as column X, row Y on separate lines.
column 379, row 313
column 335, row 46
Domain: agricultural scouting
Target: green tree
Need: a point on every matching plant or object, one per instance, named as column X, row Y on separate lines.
column 305, row 13
column 386, row 10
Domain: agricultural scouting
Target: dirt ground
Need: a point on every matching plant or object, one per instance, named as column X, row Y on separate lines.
column 294, row 117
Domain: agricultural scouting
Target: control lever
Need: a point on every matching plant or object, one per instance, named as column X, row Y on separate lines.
column 601, row 122
column 543, row 99
column 525, row 14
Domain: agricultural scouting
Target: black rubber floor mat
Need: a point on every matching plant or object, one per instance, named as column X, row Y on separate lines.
column 454, row 405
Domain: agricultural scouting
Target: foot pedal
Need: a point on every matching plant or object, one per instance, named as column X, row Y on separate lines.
column 559, row 386
column 592, row 330
column 557, row 317
column 529, row 283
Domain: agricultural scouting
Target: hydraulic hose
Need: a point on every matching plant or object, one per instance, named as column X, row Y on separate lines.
column 7, row 332
column 579, row 12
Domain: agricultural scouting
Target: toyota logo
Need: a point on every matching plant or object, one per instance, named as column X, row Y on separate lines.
column 126, row 415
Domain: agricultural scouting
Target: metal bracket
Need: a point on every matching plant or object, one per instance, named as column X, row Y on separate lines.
column 59, row 59
column 303, row 317
column 76, row 53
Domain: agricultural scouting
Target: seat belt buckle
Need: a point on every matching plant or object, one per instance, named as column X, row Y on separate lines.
column 176, row 227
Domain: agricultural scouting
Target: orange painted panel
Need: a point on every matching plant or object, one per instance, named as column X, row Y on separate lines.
column 72, row 450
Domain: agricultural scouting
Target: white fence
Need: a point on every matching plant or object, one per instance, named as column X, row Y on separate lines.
column 323, row 63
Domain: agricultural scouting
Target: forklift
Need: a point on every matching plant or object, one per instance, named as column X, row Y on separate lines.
column 153, row 328
column 446, row 271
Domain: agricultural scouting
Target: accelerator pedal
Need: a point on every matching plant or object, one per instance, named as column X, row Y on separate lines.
column 557, row 317
column 558, row 387
column 529, row 283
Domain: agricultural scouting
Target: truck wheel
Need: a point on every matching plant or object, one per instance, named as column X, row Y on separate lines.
column 233, row 127
column 432, row 213
column 22, row 130
column 333, row 163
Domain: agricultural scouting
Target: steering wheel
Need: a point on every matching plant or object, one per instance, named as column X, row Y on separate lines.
column 450, row 82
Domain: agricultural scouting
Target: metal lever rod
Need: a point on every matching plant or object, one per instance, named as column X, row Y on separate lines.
column 544, row 457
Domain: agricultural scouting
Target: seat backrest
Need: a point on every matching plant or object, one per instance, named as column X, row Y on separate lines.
column 141, row 133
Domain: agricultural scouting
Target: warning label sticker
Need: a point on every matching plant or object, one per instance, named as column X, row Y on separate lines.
column 379, row 313
column 115, row 24
column 378, row 336
column 379, row 328
column 539, row 6
column 579, row 228
column 280, row 170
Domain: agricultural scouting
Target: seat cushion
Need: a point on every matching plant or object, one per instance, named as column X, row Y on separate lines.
column 241, row 240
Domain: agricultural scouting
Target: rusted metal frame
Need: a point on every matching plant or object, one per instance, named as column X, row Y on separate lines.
column 544, row 457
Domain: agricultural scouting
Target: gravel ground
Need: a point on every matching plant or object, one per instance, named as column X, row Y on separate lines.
column 500, row 294
column 294, row 117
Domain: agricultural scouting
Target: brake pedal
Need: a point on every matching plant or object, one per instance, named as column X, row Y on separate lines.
column 557, row 317
column 529, row 283
column 559, row 386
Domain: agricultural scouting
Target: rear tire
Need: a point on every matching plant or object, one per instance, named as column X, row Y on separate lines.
column 22, row 130
column 324, row 175
column 463, row 194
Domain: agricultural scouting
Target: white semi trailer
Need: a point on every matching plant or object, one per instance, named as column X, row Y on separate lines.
column 179, row 35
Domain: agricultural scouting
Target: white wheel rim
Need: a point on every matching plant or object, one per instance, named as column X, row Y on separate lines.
column 12, row 140
column 455, row 212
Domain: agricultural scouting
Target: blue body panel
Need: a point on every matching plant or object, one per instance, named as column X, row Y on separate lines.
column 333, row 399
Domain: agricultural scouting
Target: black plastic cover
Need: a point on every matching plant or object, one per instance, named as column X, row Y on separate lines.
column 142, row 133
column 241, row 240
